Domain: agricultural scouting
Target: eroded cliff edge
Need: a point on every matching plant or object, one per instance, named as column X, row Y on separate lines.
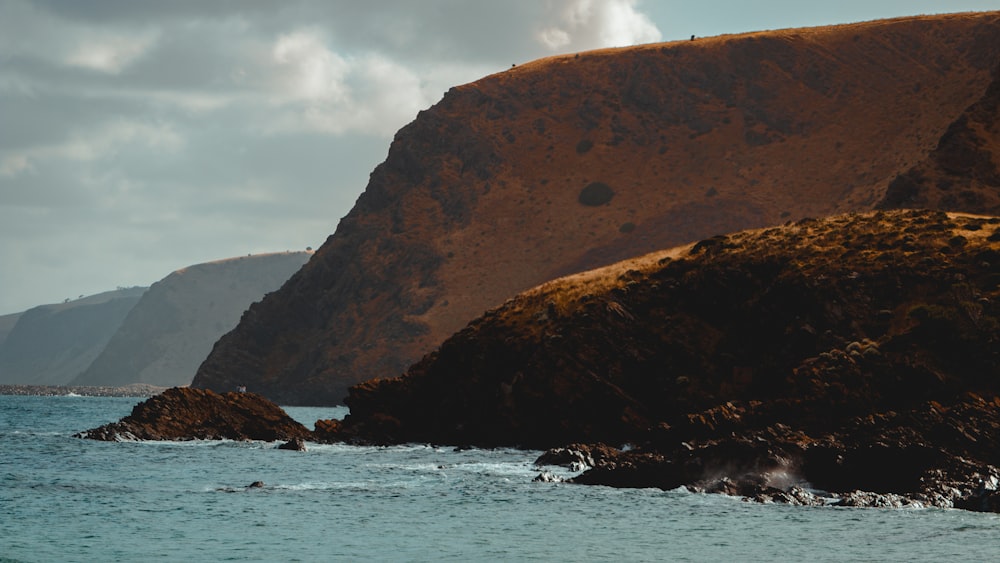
column 575, row 162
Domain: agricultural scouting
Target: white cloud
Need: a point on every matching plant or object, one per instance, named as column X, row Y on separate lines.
column 27, row 31
column 592, row 24
column 311, row 70
column 554, row 38
column 108, row 53
column 14, row 164
column 319, row 90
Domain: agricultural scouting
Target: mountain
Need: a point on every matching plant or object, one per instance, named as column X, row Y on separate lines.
column 173, row 326
column 574, row 162
column 51, row 344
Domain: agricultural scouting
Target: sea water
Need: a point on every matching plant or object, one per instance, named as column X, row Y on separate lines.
column 67, row 499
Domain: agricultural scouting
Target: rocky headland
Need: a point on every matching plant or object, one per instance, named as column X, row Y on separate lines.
column 574, row 162
column 854, row 353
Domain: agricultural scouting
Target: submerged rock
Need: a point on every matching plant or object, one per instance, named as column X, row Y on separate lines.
column 182, row 413
column 296, row 444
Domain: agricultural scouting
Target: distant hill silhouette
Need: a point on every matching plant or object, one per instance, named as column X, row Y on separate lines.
column 574, row 162
column 52, row 344
column 7, row 323
column 168, row 333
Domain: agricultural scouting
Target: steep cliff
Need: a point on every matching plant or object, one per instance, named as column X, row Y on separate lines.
column 573, row 162
column 171, row 329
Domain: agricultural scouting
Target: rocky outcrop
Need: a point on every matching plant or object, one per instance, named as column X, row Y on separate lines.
column 574, row 162
column 858, row 352
column 929, row 455
column 52, row 344
column 188, row 414
column 172, row 328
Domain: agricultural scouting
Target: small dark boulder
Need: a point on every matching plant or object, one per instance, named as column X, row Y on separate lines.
column 296, row 444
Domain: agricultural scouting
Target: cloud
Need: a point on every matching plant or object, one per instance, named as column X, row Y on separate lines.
column 30, row 32
column 589, row 24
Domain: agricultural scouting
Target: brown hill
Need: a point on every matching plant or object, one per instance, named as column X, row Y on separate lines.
column 573, row 162
column 171, row 329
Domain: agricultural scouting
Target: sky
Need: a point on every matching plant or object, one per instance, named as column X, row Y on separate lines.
column 138, row 137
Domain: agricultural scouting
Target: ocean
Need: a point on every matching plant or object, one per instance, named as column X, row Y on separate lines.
column 67, row 499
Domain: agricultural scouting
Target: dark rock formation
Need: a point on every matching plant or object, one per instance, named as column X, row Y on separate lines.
column 480, row 197
column 858, row 352
column 296, row 444
column 188, row 414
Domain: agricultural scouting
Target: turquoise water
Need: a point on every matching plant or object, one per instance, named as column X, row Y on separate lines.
column 65, row 499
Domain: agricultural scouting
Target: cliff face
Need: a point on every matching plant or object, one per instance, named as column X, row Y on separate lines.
column 574, row 162
column 171, row 329
column 51, row 344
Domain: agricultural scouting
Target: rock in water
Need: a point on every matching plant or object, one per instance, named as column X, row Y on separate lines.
column 297, row 444
column 183, row 413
